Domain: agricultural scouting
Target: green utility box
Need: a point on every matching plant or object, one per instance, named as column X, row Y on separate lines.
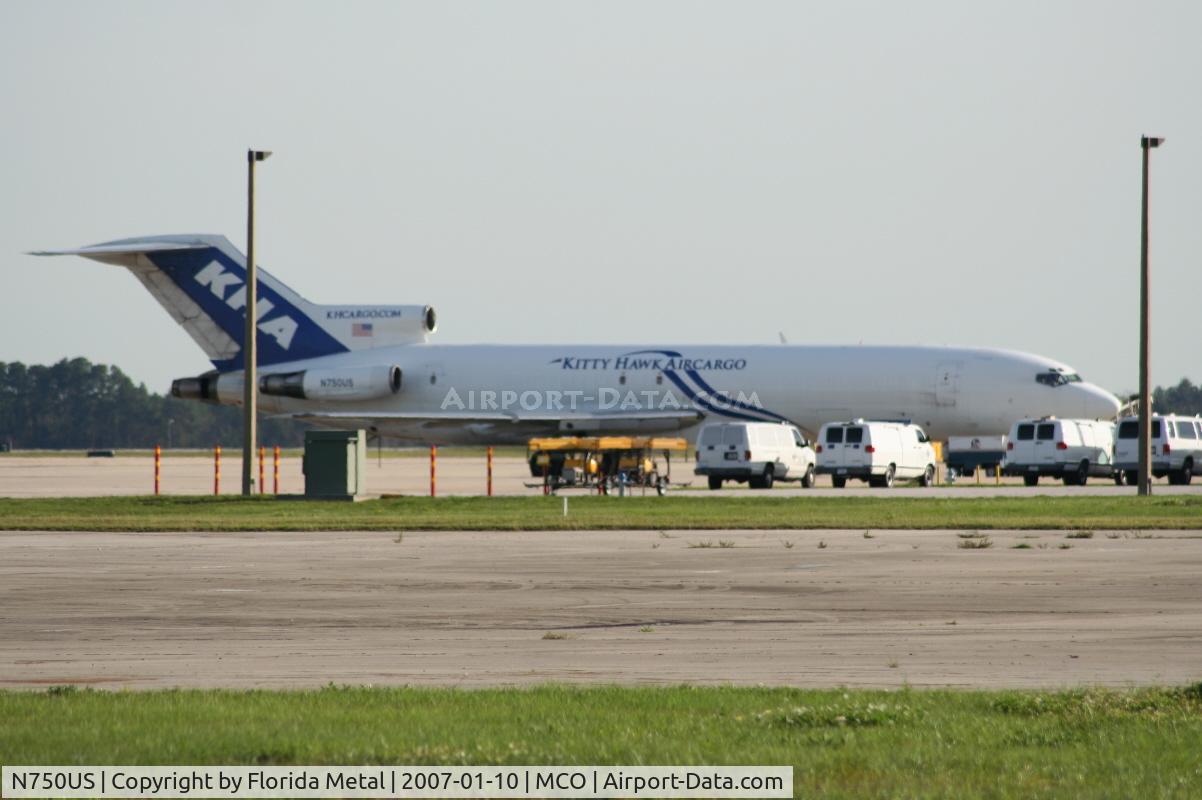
column 335, row 464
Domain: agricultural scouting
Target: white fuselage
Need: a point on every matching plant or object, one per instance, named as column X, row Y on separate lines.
column 496, row 394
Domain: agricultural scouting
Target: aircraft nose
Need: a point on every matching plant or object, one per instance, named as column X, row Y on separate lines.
column 1096, row 402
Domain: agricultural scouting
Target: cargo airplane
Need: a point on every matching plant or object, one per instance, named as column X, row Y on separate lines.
column 373, row 367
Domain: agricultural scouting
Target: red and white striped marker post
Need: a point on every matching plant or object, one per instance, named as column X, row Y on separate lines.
column 262, row 454
column 217, row 469
column 276, row 458
column 433, row 470
column 158, row 467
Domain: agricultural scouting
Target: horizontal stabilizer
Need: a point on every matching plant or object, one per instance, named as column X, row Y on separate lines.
column 128, row 248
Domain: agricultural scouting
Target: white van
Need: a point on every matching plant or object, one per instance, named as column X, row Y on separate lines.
column 759, row 453
column 1070, row 449
column 877, row 452
column 1176, row 448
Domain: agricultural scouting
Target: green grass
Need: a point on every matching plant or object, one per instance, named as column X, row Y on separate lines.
column 194, row 513
column 1083, row 743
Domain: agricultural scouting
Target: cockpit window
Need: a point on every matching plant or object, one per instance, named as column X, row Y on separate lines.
column 1057, row 378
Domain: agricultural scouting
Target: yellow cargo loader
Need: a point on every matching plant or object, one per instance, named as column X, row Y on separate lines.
column 603, row 463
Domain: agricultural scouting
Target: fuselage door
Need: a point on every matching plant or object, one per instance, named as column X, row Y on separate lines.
column 947, row 383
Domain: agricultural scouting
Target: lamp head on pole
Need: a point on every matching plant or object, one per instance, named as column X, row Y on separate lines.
column 258, row 155
column 1145, row 142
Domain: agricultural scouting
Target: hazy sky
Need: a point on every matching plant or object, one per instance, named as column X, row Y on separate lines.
column 923, row 172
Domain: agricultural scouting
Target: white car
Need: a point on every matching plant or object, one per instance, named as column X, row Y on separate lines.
column 758, row 453
column 1176, row 448
column 1069, row 449
column 876, row 452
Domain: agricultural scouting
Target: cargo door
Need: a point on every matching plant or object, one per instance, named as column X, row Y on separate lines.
column 947, row 383
column 1045, row 443
column 1023, row 451
column 854, row 444
column 709, row 445
column 832, row 447
column 1126, row 443
column 734, row 443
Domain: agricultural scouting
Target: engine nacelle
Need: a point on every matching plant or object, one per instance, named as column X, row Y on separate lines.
column 203, row 388
column 364, row 327
column 348, row 383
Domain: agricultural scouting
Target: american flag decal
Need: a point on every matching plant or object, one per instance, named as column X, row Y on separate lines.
column 361, row 329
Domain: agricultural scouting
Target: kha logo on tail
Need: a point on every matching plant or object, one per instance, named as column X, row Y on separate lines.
column 281, row 328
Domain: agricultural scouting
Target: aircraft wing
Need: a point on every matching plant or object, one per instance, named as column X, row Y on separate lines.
column 502, row 426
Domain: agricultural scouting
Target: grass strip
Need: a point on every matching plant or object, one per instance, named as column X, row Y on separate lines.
column 841, row 743
column 197, row 513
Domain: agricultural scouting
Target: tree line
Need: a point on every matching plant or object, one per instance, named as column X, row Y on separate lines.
column 76, row 404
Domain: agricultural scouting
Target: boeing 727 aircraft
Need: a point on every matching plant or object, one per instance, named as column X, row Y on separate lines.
column 372, row 366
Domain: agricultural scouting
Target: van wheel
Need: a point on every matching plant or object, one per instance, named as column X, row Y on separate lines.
column 838, row 481
column 1030, row 480
column 882, row 481
column 715, row 482
column 1120, row 478
column 1187, row 472
column 928, row 476
column 1083, row 473
column 769, row 477
column 807, row 480
column 1132, row 477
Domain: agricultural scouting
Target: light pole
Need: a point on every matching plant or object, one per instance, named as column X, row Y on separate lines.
column 1146, row 143
column 250, row 349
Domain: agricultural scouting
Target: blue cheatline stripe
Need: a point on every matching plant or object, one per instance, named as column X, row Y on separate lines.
column 692, row 373
column 680, row 384
column 692, row 395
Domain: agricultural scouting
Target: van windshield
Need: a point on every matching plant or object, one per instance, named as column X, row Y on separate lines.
column 855, row 435
column 1026, row 432
column 834, row 435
